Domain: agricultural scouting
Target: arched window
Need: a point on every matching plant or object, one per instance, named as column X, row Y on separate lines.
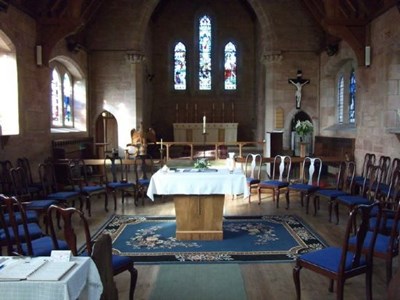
column 180, row 67
column 352, row 99
column 68, row 96
column 230, row 74
column 205, row 45
column 340, row 99
column 9, row 114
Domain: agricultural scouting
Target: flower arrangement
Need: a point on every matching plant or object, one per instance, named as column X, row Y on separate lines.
column 201, row 163
column 303, row 128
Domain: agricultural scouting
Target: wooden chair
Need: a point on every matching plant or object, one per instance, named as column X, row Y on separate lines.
column 343, row 186
column 342, row 263
column 281, row 168
column 309, row 181
column 369, row 191
column 384, row 186
column 116, row 175
column 5, row 179
column 23, row 238
column 79, row 175
column 144, row 169
column 34, row 187
column 369, row 159
column 24, row 194
column 50, row 186
column 252, row 170
column 119, row 263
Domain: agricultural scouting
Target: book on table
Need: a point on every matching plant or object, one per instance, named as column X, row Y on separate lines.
column 34, row 269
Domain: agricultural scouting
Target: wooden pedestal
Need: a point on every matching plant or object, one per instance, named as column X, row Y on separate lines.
column 199, row 217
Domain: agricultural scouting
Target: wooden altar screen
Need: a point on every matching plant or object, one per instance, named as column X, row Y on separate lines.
column 215, row 132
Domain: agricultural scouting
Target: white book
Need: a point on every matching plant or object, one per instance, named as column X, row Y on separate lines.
column 52, row 270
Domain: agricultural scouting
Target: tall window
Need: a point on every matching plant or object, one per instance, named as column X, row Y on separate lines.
column 180, row 67
column 230, row 67
column 340, row 99
column 9, row 113
column 205, row 41
column 352, row 99
column 68, row 97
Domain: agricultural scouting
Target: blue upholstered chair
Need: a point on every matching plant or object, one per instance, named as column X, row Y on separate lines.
column 119, row 263
column 144, row 169
column 116, row 175
column 252, row 170
column 309, row 181
column 343, row 186
column 281, row 168
column 342, row 263
column 369, row 159
column 23, row 238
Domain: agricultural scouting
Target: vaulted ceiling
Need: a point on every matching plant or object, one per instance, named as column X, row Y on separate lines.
column 340, row 19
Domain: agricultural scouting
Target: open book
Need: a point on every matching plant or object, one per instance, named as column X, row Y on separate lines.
column 34, row 269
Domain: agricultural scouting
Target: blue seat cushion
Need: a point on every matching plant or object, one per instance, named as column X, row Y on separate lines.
column 31, row 217
column 40, row 204
column 120, row 185
column 143, row 181
column 381, row 243
column 329, row 259
column 331, row 193
column 33, row 228
column 251, row 181
column 93, row 189
column 63, row 195
column 353, row 200
column 273, row 184
column 119, row 261
column 302, row 187
column 43, row 246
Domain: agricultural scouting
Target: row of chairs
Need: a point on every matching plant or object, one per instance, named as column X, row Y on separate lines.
column 24, row 237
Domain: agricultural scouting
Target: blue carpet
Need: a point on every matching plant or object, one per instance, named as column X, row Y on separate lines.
column 246, row 239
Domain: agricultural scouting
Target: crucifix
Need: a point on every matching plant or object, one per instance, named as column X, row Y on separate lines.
column 298, row 83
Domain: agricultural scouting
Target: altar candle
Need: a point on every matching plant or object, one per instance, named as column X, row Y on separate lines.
column 161, row 143
column 204, row 124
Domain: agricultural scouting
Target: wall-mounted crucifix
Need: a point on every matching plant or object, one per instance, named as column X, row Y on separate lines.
column 298, row 83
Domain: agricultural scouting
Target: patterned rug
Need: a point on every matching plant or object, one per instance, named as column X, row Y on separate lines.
column 246, row 239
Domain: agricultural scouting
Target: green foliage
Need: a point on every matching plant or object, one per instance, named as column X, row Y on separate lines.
column 304, row 128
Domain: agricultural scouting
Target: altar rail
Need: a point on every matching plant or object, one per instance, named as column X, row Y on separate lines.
column 219, row 149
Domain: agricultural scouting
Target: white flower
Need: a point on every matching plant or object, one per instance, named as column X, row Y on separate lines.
column 303, row 128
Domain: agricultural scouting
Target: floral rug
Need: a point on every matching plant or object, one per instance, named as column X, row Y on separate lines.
column 246, row 239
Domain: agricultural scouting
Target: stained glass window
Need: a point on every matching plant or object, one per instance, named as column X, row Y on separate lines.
column 180, row 67
column 67, row 95
column 205, row 42
column 352, row 102
column 56, row 108
column 340, row 99
column 230, row 67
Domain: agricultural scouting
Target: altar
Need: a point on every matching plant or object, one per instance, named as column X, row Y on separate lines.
column 199, row 198
column 215, row 132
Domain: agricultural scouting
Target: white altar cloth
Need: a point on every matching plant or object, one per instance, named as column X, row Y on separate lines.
column 193, row 182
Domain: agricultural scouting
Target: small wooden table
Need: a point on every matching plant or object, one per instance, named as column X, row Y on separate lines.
column 199, row 199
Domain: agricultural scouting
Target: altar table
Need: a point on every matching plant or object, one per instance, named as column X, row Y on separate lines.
column 216, row 132
column 199, row 198
column 81, row 282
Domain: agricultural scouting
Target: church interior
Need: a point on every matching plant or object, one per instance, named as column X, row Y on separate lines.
column 94, row 78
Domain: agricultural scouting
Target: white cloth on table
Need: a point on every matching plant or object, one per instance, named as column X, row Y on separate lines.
column 192, row 182
column 82, row 281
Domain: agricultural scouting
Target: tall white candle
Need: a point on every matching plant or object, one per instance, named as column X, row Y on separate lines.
column 204, row 124
column 161, row 144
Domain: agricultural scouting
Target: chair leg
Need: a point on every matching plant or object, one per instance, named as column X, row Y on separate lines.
column 339, row 289
column 106, row 201
column 88, row 206
column 336, row 207
column 368, row 283
column 316, row 204
column 287, row 199
column 277, row 197
column 259, row 195
column 388, row 270
column 134, row 276
column 296, row 279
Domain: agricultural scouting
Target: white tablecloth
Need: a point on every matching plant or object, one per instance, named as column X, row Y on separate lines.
column 190, row 182
column 82, row 281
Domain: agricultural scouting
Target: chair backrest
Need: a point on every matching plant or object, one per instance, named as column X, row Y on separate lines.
column 252, row 166
column 392, row 198
column 47, row 178
column 311, row 170
column 11, row 205
column 143, row 166
column 67, row 214
column 24, row 163
column 345, row 176
column 371, row 183
column 19, row 181
column 356, row 250
column 5, row 179
column 384, row 162
column 393, row 167
column 369, row 159
column 115, row 170
column 281, row 168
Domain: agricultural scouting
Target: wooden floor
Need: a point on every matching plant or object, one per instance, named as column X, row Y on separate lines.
column 262, row 280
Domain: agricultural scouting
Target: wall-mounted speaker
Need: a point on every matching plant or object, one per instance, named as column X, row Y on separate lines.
column 367, row 56
column 39, row 61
